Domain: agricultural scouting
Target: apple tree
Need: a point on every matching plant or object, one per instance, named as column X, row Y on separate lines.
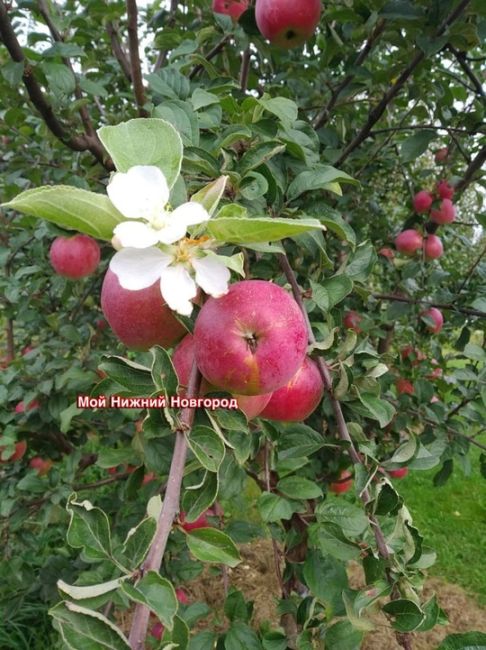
column 244, row 255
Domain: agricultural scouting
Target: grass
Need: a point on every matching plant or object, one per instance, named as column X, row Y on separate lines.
column 452, row 519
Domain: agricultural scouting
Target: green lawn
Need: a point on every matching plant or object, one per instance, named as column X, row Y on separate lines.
column 452, row 519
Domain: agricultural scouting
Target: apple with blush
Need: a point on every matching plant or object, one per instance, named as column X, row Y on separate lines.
column 140, row 319
column 41, row 465
column 408, row 242
column 343, row 484
column 298, row 399
column 20, row 449
column 286, row 23
column 233, row 8
column 422, row 202
column 445, row 214
column 200, row 522
column 433, row 248
column 437, row 318
column 398, row 473
column 445, row 190
column 404, row 387
column 352, row 320
column 251, row 341
column 74, row 257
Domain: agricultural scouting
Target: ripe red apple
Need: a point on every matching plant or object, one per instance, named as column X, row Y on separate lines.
column 251, row 341
column 435, row 374
column 74, row 257
column 157, row 631
column 352, row 320
column 433, row 247
column 408, row 242
column 233, row 8
column 287, row 23
column 295, row 401
column 21, row 408
column 398, row 473
column 413, row 354
column 441, row 154
column 444, row 190
column 343, row 484
column 182, row 597
column 200, row 522
column 183, row 357
column 20, row 449
column 445, row 214
column 404, row 387
column 42, row 465
column 422, row 201
column 140, row 319
column 148, row 478
column 436, row 315
column 387, row 252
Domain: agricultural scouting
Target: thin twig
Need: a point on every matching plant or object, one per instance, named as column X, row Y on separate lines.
column 219, row 47
column 475, row 166
column 417, row 301
column 245, row 69
column 118, row 50
column 135, row 65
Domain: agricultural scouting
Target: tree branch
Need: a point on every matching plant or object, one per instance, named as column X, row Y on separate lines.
column 376, row 113
column 323, row 116
column 245, row 69
column 136, row 68
column 74, row 142
column 170, row 23
column 170, row 508
column 210, row 55
column 461, row 59
column 475, row 166
column 416, row 301
column 118, row 51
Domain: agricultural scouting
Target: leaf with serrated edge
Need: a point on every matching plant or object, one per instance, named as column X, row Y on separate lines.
column 240, row 230
column 157, row 593
column 211, row 545
column 91, row 591
column 102, row 632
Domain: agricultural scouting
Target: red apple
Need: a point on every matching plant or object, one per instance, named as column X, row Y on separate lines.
column 183, row 358
column 444, row 190
column 404, row 387
column 408, row 242
column 387, row 252
column 422, row 201
column 287, row 23
column 398, row 473
column 200, row 522
column 435, row 374
column 41, row 465
column 157, row 631
column 182, row 597
column 436, row 315
column 295, row 401
column 21, row 408
column 27, row 349
column 433, row 247
column 140, row 319
column 74, row 257
column 251, row 341
column 414, row 355
column 233, row 8
column 441, row 154
column 148, row 478
column 446, row 213
column 352, row 320
column 20, row 449
column 344, row 483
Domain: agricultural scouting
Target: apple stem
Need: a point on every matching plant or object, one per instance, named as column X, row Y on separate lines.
column 170, row 508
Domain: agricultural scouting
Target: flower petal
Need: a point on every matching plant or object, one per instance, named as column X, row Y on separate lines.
column 211, row 275
column 135, row 234
column 178, row 289
column 138, row 269
column 172, row 232
column 190, row 213
column 141, row 193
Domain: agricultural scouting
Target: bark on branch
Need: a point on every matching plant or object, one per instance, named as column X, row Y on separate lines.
column 135, row 65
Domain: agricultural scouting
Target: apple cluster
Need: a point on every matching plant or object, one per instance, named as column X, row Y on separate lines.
column 441, row 210
column 251, row 342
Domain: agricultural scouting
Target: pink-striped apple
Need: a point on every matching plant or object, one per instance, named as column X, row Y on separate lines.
column 404, row 387
column 445, row 214
column 251, row 341
column 422, row 201
column 74, row 257
column 298, row 399
column 438, row 319
column 444, row 190
column 233, row 8
column 408, row 242
column 140, row 319
column 433, row 247
column 287, row 23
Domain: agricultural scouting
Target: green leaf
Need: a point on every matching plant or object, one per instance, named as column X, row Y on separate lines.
column 468, row 641
column 207, row 447
column 330, row 540
column 258, row 155
column 89, row 529
column 407, row 615
column 197, row 501
column 157, row 593
column 337, row 288
column 326, row 578
column 210, row 195
column 164, row 376
column 138, row 541
column 253, row 186
column 274, row 508
column 285, row 109
column 402, row 10
column 12, row 72
column 71, row 208
column 297, row 487
column 60, row 77
column 144, row 141
column 317, row 179
column 299, row 440
column 237, row 230
column 343, row 636
column 334, row 222
column 91, row 591
column 350, row 517
column 416, row 145
column 211, row 545
column 241, row 637
column 361, row 263
column 130, row 375
column 85, row 629
column 378, row 409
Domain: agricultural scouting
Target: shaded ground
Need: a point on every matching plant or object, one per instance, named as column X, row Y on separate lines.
column 255, row 577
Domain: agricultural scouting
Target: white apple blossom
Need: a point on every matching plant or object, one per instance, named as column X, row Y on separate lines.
column 141, row 195
column 181, row 270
